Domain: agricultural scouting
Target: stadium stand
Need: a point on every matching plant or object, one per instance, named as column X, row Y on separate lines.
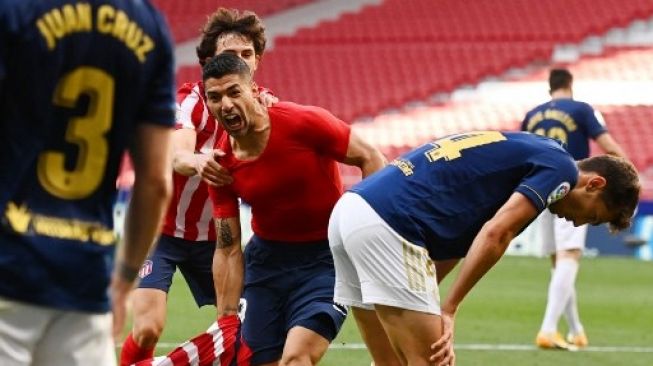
column 186, row 17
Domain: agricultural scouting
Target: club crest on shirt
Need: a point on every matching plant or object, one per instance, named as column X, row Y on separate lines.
column 558, row 193
column 146, row 269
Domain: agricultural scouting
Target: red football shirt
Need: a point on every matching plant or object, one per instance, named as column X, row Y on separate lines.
column 294, row 184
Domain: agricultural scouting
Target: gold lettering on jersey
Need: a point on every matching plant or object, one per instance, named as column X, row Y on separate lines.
column 551, row 114
column 24, row 222
column 69, row 19
column 60, row 22
column 117, row 24
column 405, row 166
column 449, row 148
column 18, row 217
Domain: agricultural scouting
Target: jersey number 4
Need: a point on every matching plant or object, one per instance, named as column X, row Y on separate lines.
column 450, row 148
column 87, row 132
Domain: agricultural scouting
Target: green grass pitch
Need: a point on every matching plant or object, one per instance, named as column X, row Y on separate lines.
column 505, row 310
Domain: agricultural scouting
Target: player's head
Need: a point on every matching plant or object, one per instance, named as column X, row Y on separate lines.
column 230, row 92
column 607, row 191
column 560, row 79
column 229, row 30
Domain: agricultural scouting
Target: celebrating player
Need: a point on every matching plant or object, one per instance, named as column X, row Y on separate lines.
column 188, row 237
column 283, row 161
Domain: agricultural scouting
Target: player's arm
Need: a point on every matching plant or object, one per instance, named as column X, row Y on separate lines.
column 489, row 245
column 150, row 195
column 609, row 145
column 186, row 162
column 363, row 155
column 486, row 249
column 228, row 266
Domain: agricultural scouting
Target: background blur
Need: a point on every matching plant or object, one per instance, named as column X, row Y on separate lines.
column 404, row 72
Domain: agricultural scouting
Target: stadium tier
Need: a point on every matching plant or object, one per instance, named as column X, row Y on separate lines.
column 187, row 17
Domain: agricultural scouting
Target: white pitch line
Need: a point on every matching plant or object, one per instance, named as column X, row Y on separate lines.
column 484, row 347
column 512, row 347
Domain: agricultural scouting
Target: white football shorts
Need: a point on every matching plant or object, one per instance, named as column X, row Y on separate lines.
column 559, row 234
column 33, row 336
column 375, row 265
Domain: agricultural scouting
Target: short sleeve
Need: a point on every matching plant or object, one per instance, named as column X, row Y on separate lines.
column 224, row 201
column 327, row 133
column 190, row 106
column 593, row 122
column 553, row 175
column 159, row 104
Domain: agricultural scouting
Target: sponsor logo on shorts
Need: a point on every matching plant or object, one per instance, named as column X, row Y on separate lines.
column 146, row 269
column 558, row 193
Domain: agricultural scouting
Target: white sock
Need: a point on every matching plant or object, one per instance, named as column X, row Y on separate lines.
column 571, row 314
column 560, row 290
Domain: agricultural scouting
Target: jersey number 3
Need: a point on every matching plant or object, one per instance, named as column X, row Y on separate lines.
column 87, row 132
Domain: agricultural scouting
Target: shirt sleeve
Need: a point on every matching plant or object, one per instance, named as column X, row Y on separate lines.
column 552, row 176
column 327, row 133
column 225, row 202
column 190, row 107
column 159, row 104
column 593, row 122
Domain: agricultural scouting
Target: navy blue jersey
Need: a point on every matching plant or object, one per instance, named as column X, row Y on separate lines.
column 76, row 77
column 567, row 120
column 439, row 195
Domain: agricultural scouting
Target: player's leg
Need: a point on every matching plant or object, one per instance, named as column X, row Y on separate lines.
column 197, row 271
column 149, row 300
column 263, row 329
column 561, row 285
column 400, row 280
column 21, row 327
column 411, row 333
column 77, row 339
column 375, row 338
column 348, row 288
column 571, row 242
column 314, row 319
column 443, row 267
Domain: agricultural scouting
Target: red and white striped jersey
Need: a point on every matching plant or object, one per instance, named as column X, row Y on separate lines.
column 189, row 215
column 220, row 345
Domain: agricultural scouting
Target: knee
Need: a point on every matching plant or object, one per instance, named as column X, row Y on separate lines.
column 147, row 334
column 296, row 359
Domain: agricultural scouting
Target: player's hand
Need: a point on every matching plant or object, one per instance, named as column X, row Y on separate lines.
column 267, row 99
column 443, row 353
column 211, row 171
column 118, row 292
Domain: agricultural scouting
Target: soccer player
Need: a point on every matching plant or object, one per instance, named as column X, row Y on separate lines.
column 399, row 232
column 283, row 160
column 80, row 82
column 574, row 123
column 188, row 237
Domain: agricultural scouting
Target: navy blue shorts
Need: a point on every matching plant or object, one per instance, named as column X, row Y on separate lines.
column 194, row 259
column 287, row 285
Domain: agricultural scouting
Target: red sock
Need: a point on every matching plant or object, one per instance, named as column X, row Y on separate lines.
column 132, row 352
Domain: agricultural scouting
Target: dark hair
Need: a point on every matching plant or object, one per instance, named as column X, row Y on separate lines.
column 225, row 64
column 223, row 21
column 559, row 79
column 621, row 192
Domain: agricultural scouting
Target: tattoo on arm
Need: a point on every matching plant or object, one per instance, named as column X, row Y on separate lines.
column 225, row 239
